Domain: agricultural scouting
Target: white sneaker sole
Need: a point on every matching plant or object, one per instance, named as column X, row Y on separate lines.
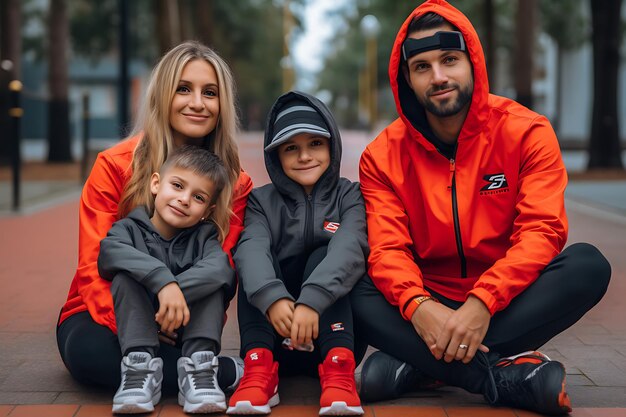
column 135, row 407
column 204, row 407
column 246, row 408
column 340, row 408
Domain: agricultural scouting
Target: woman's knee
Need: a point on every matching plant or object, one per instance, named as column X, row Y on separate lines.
column 91, row 353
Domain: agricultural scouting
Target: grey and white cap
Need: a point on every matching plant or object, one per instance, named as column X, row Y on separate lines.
column 297, row 116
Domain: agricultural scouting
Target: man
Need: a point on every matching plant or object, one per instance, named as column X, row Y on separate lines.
column 466, row 223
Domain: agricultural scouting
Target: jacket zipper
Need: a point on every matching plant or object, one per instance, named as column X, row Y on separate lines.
column 164, row 252
column 308, row 223
column 455, row 215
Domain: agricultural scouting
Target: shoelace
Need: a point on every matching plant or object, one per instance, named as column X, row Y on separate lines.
column 135, row 378
column 203, row 378
column 491, row 391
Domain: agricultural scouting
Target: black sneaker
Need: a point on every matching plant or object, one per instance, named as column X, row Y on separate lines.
column 531, row 381
column 384, row 377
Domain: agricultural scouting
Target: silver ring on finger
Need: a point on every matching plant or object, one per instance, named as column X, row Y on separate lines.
column 463, row 346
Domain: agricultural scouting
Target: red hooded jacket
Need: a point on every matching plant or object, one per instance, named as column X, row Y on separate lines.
column 98, row 210
column 485, row 222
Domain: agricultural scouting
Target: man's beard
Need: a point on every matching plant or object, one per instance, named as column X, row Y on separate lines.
column 447, row 107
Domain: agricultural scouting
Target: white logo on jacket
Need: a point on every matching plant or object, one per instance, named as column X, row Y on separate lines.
column 331, row 227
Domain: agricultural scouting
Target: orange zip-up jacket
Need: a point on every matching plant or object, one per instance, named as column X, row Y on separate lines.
column 98, row 210
column 485, row 222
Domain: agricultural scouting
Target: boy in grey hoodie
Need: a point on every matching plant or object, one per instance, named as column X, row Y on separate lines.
column 167, row 259
column 303, row 247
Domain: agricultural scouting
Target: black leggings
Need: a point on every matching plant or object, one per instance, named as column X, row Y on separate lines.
column 568, row 287
column 257, row 332
column 92, row 354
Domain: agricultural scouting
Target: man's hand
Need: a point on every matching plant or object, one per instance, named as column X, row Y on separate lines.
column 173, row 311
column 305, row 327
column 280, row 315
column 429, row 320
column 463, row 332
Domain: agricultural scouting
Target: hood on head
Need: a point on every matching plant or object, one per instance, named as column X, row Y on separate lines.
column 283, row 183
column 409, row 109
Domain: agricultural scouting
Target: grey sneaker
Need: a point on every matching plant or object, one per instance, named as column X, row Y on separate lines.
column 140, row 389
column 198, row 390
column 384, row 377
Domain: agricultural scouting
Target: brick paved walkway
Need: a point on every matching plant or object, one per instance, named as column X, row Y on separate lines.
column 38, row 257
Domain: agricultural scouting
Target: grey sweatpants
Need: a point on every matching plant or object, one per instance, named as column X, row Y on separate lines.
column 135, row 308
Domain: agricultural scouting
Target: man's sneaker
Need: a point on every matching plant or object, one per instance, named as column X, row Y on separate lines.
column 258, row 389
column 384, row 377
column 531, row 381
column 198, row 390
column 339, row 397
column 140, row 389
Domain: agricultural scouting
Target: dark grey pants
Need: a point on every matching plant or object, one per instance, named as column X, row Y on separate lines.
column 135, row 308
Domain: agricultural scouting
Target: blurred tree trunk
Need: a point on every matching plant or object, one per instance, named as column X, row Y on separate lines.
column 525, row 37
column 168, row 25
column 59, row 147
column 10, row 50
column 11, row 35
column 204, row 16
column 490, row 44
column 604, row 143
column 186, row 20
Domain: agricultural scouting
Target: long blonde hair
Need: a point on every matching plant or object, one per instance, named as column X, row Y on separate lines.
column 156, row 133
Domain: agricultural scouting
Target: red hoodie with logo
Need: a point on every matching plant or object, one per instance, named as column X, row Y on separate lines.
column 97, row 212
column 484, row 222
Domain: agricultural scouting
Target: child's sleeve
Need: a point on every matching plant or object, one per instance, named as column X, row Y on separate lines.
column 254, row 261
column 211, row 273
column 118, row 254
column 345, row 261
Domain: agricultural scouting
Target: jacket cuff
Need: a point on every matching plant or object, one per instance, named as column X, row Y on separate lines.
column 316, row 298
column 405, row 304
column 486, row 297
column 158, row 279
column 267, row 296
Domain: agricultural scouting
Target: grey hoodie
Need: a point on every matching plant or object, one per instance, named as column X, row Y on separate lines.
column 283, row 223
column 194, row 257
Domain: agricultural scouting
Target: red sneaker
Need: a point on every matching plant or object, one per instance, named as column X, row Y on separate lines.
column 339, row 397
column 258, row 389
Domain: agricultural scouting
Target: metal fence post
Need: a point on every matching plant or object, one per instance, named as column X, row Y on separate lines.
column 15, row 113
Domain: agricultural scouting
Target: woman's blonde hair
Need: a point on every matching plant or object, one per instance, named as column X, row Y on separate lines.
column 153, row 125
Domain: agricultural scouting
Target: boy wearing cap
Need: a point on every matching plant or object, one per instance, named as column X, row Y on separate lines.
column 303, row 248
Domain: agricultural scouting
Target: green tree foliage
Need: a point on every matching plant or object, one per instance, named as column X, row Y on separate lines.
column 248, row 34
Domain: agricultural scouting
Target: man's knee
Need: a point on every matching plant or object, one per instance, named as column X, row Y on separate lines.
column 591, row 270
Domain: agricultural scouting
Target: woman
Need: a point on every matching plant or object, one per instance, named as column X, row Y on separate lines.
column 190, row 99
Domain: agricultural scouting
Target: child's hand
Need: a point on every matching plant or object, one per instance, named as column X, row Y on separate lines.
column 305, row 327
column 173, row 311
column 280, row 315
